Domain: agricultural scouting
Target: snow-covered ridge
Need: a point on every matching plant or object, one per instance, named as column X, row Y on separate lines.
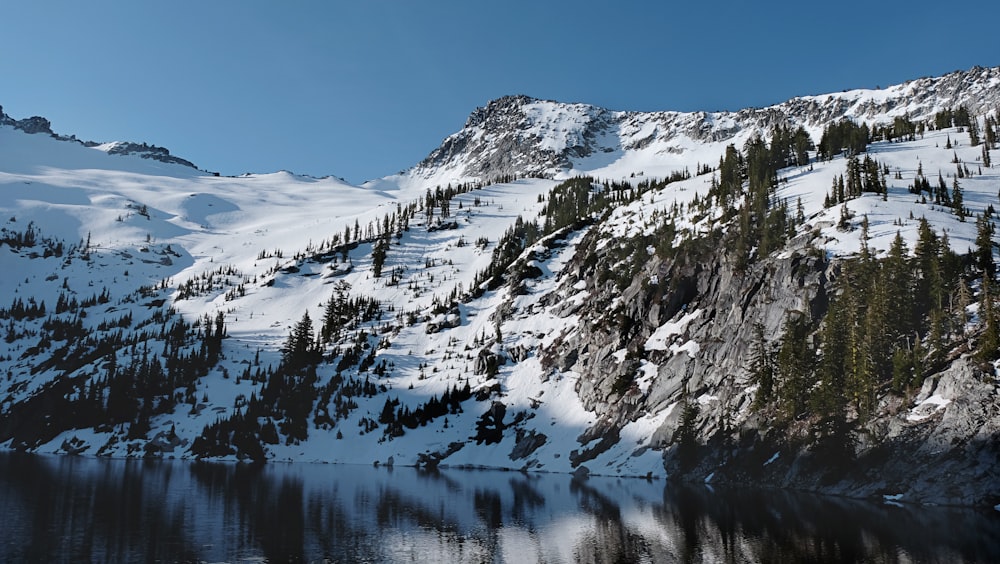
column 529, row 137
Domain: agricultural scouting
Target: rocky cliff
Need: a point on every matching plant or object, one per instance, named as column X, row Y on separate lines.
column 681, row 333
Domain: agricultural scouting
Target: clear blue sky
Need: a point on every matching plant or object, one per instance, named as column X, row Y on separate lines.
column 362, row 89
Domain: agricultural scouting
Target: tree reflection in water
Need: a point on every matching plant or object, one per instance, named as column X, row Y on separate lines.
column 76, row 509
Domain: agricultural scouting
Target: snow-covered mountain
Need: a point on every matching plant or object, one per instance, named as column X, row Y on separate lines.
column 538, row 138
column 489, row 307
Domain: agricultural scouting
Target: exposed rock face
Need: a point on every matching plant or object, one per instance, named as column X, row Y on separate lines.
column 501, row 138
column 33, row 125
column 488, row 361
column 147, row 151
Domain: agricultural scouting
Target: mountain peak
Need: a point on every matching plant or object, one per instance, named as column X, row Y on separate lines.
column 515, row 135
column 498, row 109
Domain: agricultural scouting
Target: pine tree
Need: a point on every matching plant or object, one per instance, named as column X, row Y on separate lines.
column 877, row 343
column 379, row 251
column 957, row 201
column 686, row 435
column 762, row 368
column 899, row 276
column 795, row 359
column 299, row 348
column 973, row 132
column 853, row 177
column 845, row 218
column 828, row 397
column 984, row 247
column 961, row 302
column 802, row 145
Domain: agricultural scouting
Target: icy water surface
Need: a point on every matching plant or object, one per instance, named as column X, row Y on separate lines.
column 63, row 509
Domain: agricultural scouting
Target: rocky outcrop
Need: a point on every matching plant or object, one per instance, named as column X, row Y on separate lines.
column 147, row 151
column 32, row 125
column 35, row 124
column 496, row 141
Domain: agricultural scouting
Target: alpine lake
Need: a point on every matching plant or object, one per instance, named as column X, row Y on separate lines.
column 75, row 509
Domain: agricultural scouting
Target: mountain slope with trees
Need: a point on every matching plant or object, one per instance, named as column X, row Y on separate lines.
column 803, row 295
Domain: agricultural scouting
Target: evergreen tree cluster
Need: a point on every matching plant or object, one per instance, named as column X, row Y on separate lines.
column 843, row 136
column 952, row 118
column 291, row 393
column 397, row 418
column 751, row 178
column 29, row 237
column 940, row 193
column 990, row 132
column 570, row 202
column 901, row 129
column 218, row 280
column 790, row 148
column 137, row 382
column 861, row 176
column 571, row 205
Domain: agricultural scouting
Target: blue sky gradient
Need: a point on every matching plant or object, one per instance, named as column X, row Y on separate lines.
column 367, row 88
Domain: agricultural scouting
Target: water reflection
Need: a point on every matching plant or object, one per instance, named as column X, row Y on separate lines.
column 75, row 509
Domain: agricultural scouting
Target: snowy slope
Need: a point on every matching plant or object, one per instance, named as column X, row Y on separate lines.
column 264, row 249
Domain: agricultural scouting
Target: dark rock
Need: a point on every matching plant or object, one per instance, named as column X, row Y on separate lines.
column 35, row 124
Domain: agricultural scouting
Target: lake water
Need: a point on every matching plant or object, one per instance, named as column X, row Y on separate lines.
column 64, row 509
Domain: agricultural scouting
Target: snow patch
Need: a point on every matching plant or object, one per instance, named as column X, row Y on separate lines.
column 705, row 399
column 647, row 373
column 660, row 339
column 692, row 348
column 927, row 408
